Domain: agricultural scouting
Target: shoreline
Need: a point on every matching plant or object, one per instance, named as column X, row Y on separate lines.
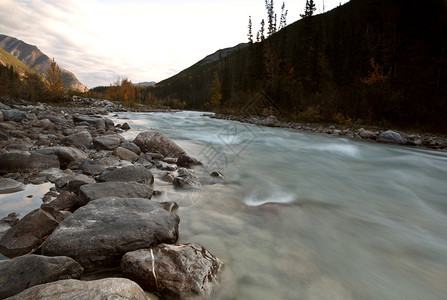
column 369, row 134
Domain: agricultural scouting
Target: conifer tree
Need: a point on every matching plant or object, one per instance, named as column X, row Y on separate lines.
column 250, row 33
column 283, row 19
column 261, row 32
column 309, row 9
column 269, row 6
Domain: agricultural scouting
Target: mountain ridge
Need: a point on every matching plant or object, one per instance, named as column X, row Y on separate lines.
column 31, row 56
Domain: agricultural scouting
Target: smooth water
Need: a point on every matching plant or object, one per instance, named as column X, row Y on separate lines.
column 303, row 216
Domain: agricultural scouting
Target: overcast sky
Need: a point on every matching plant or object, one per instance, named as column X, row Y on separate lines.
column 143, row 40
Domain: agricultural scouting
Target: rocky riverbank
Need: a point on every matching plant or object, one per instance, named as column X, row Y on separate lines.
column 102, row 213
column 427, row 140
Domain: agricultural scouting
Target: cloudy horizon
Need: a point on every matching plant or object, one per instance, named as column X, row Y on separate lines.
column 101, row 40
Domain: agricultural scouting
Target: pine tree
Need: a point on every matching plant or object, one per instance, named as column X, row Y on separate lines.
column 250, row 33
column 261, row 32
column 269, row 6
column 309, row 10
column 283, row 19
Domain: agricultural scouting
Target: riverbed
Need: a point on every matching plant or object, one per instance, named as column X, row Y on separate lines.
column 304, row 216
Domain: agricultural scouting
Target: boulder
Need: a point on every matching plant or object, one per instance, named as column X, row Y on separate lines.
column 132, row 147
column 187, row 161
column 1, row 116
column 125, row 126
column 8, row 185
column 100, row 233
column 81, row 139
column 133, row 173
column 106, row 142
column 23, row 162
column 152, row 141
column 109, row 288
column 65, row 201
column 20, row 273
column 125, row 154
column 66, row 155
column 96, row 121
column 392, row 137
column 95, row 191
column 270, row 121
column 187, row 180
column 28, row 233
column 13, row 115
column 91, row 167
column 177, row 271
column 44, row 123
column 366, row 134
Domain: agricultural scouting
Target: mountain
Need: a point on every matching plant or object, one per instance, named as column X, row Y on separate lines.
column 37, row 60
column 7, row 59
column 377, row 61
column 145, row 83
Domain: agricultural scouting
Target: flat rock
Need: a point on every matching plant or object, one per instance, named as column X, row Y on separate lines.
column 91, row 167
column 96, row 121
column 24, row 162
column 66, row 155
column 125, row 154
column 132, row 147
column 106, row 142
column 28, row 233
column 107, row 289
column 95, row 191
column 8, row 185
column 20, row 273
column 131, row 173
column 392, row 137
column 100, row 233
column 153, row 141
column 177, row 271
column 81, row 139
column 13, row 115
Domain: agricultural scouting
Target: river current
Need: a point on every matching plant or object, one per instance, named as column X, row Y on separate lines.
column 304, row 216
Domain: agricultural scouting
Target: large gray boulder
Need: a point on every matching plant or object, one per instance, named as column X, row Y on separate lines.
column 93, row 191
column 81, row 139
column 72, row 289
column 100, row 233
column 137, row 174
column 20, row 273
column 107, row 142
column 28, row 233
column 173, row 271
column 152, row 141
column 270, row 121
column 392, row 137
column 24, row 162
column 8, row 185
column 13, row 115
column 66, row 155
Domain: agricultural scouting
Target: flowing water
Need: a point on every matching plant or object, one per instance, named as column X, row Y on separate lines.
column 303, row 216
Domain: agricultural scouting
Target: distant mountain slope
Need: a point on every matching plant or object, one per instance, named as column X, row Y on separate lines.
column 37, row 60
column 7, row 59
column 379, row 61
column 146, row 83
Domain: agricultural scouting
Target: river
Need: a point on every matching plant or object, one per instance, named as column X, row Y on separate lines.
column 304, row 216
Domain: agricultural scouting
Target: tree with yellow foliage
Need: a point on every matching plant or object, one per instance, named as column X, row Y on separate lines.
column 55, row 80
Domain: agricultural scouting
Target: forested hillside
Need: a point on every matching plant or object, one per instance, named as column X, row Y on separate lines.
column 379, row 61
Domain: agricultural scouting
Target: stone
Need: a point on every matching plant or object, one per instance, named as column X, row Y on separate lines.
column 152, row 141
column 106, row 142
column 66, row 155
column 187, row 161
column 186, row 179
column 24, row 162
column 91, row 167
column 270, row 121
column 109, row 288
column 100, row 233
column 13, row 115
column 125, row 154
column 366, row 134
column 125, row 126
column 131, row 173
column 64, row 201
column 177, row 271
column 96, row 121
column 132, row 147
column 95, row 191
column 81, row 139
column 20, row 273
column 45, row 124
column 392, row 137
column 28, row 233
column 12, row 219
column 8, row 185
column 18, row 147
column 1, row 116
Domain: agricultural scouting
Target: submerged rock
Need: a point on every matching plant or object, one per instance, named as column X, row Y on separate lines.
column 177, row 271
column 20, row 273
column 110, row 288
column 100, row 233
column 152, row 141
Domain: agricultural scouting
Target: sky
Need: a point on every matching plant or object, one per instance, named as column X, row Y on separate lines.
column 142, row 40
